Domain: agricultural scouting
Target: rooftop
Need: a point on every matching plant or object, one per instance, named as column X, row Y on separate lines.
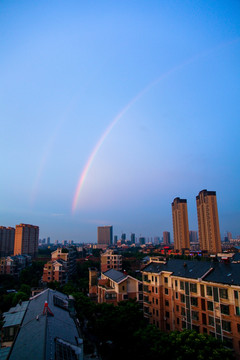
column 41, row 330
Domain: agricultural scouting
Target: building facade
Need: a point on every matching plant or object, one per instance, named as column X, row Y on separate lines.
column 208, row 223
column 166, row 238
column 115, row 286
column 26, row 240
column 111, row 260
column 105, row 235
column 201, row 296
column 180, row 224
column 7, row 235
column 55, row 270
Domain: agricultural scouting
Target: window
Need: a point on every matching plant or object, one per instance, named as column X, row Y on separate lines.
column 194, row 301
column 183, row 324
column 177, row 308
column 153, row 300
column 152, row 278
column 193, row 287
column 178, row 321
column 166, row 303
column 181, row 285
column 225, row 309
column 209, row 290
column 195, row 315
column 176, row 295
column 157, row 312
column 167, row 327
column 202, row 290
column 153, row 311
column 166, row 280
column 196, row 328
column 210, row 321
column 155, row 279
column 210, row 305
column 204, row 319
column 238, row 327
column 223, row 293
column 123, row 288
column 156, row 290
column 156, row 301
column 235, row 294
column 167, row 314
column 237, row 310
column 176, row 283
column 226, row 325
column 183, row 311
column 166, row 291
column 182, row 298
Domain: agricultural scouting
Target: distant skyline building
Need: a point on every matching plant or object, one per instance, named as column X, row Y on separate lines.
column 180, row 224
column 7, row 235
column 193, row 236
column 105, row 235
column 142, row 240
column 115, row 239
column 26, row 240
column 157, row 240
column 166, row 237
column 208, row 223
column 133, row 238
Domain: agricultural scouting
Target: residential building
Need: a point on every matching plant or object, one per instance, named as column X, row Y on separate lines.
column 55, row 270
column 193, row 238
column 180, row 224
column 13, row 265
column 47, row 329
column 105, row 235
column 68, row 255
column 208, row 224
column 115, row 286
column 197, row 295
column 166, row 238
column 26, row 240
column 7, row 235
column 111, row 260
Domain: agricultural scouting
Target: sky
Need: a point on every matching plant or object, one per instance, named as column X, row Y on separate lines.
column 111, row 109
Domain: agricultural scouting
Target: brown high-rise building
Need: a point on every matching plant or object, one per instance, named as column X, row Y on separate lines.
column 26, row 240
column 180, row 224
column 105, row 235
column 7, row 235
column 208, row 224
column 166, row 238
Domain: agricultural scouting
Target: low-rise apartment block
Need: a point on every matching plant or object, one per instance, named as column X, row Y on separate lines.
column 114, row 286
column 111, row 260
column 197, row 295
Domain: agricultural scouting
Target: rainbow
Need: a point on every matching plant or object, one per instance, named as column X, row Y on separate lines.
column 92, row 156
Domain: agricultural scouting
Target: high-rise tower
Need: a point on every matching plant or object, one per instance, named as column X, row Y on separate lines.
column 105, row 235
column 180, row 224
column 26, row 240
column 208, row 224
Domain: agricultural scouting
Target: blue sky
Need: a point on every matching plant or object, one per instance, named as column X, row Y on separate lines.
column 68, row 68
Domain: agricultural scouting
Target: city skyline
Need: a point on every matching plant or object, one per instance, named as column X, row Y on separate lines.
column 110, row 111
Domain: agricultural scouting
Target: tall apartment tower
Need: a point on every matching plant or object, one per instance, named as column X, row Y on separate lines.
column 166, row 238
column 7, row 235
column 208, row 224
column 105, row 235
column 180, row 224
column 26, row 240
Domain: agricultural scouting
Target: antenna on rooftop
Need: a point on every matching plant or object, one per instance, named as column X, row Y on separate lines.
column 46, row 309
